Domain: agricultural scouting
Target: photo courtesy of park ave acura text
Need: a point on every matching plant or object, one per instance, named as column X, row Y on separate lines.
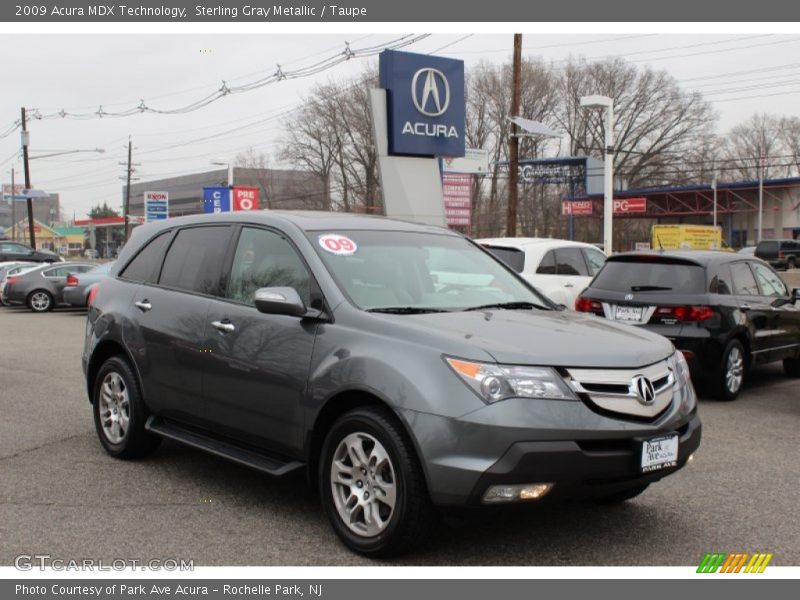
column 353, row 296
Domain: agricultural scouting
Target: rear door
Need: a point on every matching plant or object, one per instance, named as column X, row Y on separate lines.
column 573, row 274
column 759, row 309
column 170, row 309
column 256, row 365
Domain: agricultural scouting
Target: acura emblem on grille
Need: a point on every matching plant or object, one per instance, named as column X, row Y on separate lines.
column 628, row 296
column 645, row 390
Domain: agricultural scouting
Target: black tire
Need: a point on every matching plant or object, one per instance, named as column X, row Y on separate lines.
column 412, row 517
column 791, row 366
column 623, row 496
column 729, row 377
column 40, row 301
column 136, row 441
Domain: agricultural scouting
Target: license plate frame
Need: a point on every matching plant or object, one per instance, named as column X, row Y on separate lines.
column 628, row 314
column 660, row 452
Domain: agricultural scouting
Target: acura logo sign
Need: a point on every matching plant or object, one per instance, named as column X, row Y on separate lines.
column 432, row 98
column 645, row 390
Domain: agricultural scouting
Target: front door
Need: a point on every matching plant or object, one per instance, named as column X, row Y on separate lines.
column 257, row 364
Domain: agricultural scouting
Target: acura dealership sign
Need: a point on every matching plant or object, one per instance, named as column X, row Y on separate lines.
column 425, row 103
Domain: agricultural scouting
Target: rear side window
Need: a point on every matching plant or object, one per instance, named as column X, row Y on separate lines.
column 770, row 283
column 650, row 276
column 569, row 261
column 513, row 257
column 594, row 259
column 145, row 265
column 744, row 284
column 194, row 259
column 548, row 264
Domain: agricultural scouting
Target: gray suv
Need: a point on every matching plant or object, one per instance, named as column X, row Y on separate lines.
column 404, row 367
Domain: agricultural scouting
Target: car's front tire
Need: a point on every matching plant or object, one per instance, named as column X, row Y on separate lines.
column 730, row 374
column 372, row 486
column 120, row 413
column 40, row 301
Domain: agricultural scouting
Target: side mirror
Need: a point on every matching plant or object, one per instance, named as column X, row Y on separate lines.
column 280, row 301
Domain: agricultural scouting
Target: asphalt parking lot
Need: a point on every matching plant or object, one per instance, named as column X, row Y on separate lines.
column 62, row 495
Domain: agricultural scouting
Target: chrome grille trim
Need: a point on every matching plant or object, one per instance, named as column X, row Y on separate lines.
column 627, row 403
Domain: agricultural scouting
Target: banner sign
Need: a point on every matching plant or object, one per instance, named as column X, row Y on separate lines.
column 457, row 192
column 18, row 189
column 156, row 206
column 425, row 103
column 627, row 206
column 245, row 198
column 216, row 199
column 577, row 207
column 475, row 160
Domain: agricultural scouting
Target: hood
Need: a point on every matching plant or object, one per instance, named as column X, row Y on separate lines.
column 548, row 338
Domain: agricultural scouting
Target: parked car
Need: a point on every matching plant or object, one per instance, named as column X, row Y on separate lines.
column 79, row 286
column 560, row 269
column 12, row 268
column 14, row 251
column 287, row 340
column 725, row 312
column 40, row 288
column 781, row 254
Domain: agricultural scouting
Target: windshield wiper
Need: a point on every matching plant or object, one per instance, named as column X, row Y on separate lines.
column 509, row 306
column 406, row 310
column 649, row 288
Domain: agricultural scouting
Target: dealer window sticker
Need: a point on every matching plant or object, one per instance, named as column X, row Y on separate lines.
column 340, row 245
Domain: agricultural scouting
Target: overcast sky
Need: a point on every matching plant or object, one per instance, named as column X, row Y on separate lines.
column 740, row 74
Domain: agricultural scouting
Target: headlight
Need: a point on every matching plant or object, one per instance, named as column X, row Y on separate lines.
column 493, row 382
column 681, row 369
column 683, row 379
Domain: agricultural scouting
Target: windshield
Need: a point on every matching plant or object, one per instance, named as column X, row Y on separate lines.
column 424, row 271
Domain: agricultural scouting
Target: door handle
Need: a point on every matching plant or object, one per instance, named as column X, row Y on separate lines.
column 569, row 285
column 224, row 326
column 143, row 305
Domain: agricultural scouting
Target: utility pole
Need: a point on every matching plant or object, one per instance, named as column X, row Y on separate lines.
column 760, row 191
column 714, row 187
column 126, row 209
column 513, row 140
column 13, row 208
column 29, row 200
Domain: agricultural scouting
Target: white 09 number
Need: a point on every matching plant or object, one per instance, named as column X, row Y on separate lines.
column 31, row 11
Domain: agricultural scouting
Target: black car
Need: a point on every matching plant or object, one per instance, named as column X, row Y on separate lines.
column 725, row 312
column 14, row 251
column 781, row 254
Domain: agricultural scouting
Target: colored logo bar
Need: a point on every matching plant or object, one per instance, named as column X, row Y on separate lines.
column 736, row 562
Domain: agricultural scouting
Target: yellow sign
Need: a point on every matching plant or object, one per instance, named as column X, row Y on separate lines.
column 687, row 237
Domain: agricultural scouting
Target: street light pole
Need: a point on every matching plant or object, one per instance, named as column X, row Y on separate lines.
column 607, row 104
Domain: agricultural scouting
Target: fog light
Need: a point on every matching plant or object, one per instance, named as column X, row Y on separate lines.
column 514, row 493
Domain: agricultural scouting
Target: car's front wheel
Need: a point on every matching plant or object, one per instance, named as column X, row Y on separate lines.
column 372, row 486
column 40, row 301
column 119, row 411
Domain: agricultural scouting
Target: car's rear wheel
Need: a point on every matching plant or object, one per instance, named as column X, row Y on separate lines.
column 119, row 411
column 40, row 301
column 372, row 486
column 731, row 372
column 791, row 366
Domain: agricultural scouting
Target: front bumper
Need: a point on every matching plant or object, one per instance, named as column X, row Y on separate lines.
column 524, row 441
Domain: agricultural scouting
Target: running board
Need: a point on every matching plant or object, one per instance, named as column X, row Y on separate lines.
column 270, row 464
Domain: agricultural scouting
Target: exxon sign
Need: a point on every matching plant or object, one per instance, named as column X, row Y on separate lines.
column 425, row 97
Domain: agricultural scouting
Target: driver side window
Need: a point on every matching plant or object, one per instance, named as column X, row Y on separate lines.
column 769, row 282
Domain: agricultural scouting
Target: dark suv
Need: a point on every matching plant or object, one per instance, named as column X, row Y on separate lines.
column 781, row 254
column 402, row 365
column 725, row 312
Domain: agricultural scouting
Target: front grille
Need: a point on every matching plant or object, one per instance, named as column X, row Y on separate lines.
column 614, row 390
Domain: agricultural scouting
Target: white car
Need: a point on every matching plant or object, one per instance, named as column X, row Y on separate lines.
column 560, row 269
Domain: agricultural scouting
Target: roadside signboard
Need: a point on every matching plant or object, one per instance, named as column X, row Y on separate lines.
column 216, row 199
column 457, row 192
column 475, row 160
column 245, row 198
column 425, row 103
column 627, row 206
column 156, row 206
column 576, row 207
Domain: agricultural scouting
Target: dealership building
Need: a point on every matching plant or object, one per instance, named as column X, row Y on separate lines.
column 284, row 189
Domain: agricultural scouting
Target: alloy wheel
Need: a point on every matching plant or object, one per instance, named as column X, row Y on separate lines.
column 114, row 408
column 40, row 301
column 734, row 370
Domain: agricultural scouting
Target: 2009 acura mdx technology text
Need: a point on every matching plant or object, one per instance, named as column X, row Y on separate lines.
column 403, row 366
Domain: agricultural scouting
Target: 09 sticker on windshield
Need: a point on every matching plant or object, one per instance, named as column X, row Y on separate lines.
column 337, row 244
